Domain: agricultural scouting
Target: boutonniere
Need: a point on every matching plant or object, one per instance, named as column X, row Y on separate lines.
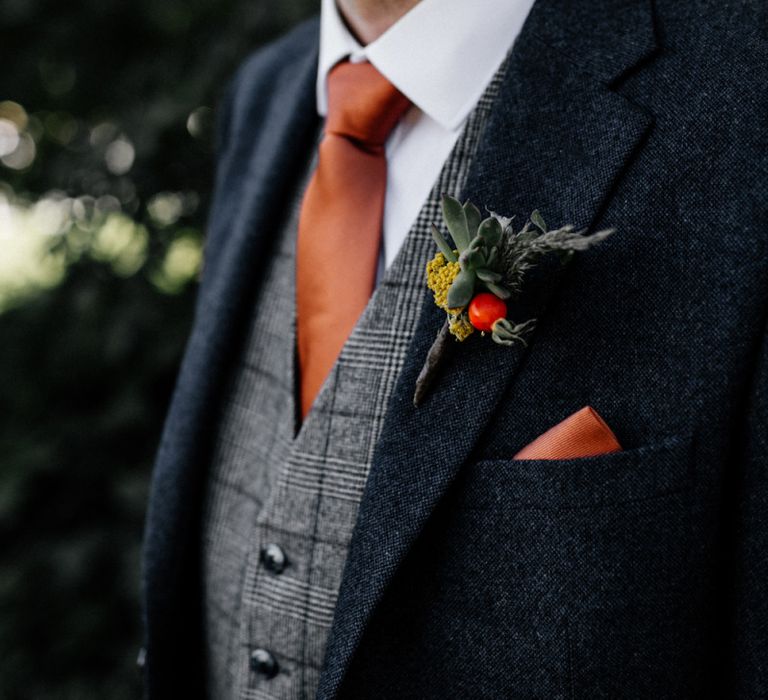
column 475, row 279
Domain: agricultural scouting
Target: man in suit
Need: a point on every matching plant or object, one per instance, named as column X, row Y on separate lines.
column 312, row 532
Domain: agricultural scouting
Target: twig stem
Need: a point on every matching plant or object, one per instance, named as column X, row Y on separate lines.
column 431, row 365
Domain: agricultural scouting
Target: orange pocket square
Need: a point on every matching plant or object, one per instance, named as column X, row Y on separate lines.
column 583, row 434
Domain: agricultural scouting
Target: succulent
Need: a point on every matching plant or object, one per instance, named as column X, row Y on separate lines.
column 478, row 242
column 488, row 256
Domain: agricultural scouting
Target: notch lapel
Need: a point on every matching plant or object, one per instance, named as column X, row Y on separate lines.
column 557, row 139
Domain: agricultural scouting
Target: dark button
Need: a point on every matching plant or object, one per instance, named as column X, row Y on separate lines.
column 264, row 663
column 273, row 558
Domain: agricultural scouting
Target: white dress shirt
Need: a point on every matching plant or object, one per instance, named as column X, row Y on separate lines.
column 441, row 55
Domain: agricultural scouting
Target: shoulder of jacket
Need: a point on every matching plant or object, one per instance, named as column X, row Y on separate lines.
column 257, row 77
column 268, row 63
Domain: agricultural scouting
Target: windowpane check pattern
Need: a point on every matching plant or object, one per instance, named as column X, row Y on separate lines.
column 269, row 488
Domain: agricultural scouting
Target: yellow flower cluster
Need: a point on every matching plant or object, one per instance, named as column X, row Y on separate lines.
column 460, row 327
column 440, row 276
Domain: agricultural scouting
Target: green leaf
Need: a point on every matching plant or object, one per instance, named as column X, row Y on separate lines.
column 504, row 221
column 490, row 230
column 507, row 333
column 503, row 328
column 475, row 259
column 442, row 244
column 473, row 255
column 473, row 218
column 456, row 220
column 492, row 253
column 538, row 221
column 498, row 290
column 487, row 275
column 461, row 290
column 476, row 243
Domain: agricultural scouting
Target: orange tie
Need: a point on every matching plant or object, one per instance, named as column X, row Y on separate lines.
column 340, row 221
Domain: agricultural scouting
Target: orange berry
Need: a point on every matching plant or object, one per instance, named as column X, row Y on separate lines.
column 485, row 309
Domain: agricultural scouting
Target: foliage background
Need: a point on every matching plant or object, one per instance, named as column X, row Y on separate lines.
column 105, row 169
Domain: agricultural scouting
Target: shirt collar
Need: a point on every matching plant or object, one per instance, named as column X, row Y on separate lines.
column 456, row 45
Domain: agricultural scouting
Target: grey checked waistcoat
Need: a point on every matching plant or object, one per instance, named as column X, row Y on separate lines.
column 302, row 492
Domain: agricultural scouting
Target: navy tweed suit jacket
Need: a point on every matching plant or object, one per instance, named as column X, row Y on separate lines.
column 642, row 574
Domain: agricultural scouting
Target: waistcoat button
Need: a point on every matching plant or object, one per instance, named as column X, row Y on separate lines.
column 264, row 663
column 273, row 558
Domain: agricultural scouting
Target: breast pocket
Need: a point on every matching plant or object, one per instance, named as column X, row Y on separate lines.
column 595, row 553
column 647, row 472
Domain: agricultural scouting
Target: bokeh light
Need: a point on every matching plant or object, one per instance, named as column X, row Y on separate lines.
column 9, row 137
column 119, row 156
column 200, row 122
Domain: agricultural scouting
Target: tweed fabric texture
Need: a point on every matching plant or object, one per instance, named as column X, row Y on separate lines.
column 255, row 432
column 303, row 493
column 628, row 576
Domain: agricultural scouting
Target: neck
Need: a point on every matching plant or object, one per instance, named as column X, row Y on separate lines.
column 369, row 19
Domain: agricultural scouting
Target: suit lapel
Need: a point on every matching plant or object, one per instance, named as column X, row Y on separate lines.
column 252, row 185
column 557, row 139
column 274, row 160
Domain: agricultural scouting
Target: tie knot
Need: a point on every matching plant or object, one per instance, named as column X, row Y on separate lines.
column 362, row 103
